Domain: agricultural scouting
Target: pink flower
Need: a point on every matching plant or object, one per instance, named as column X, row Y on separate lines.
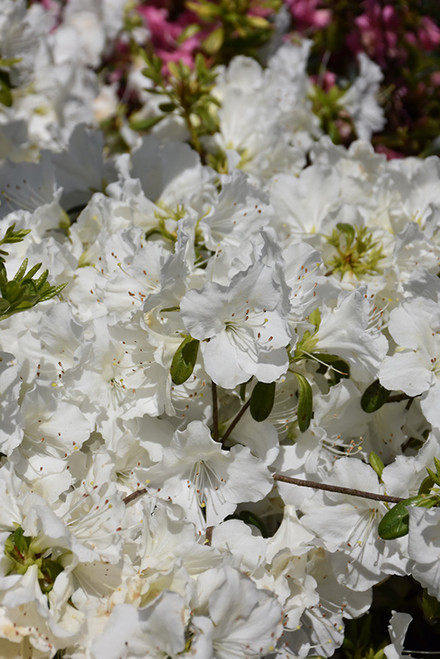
column 306, row 16
column 389, row 153
column 377, row 32
column 429, row 34
column 165, row 35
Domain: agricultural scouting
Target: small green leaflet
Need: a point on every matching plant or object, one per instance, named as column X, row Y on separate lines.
column 395, row 523
column 374, row 397
column 184, row 360
column 305, row 402
column 262, row 399
column 23, row 292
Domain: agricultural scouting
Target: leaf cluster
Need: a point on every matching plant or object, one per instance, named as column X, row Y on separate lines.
column 188, row 94
column 24, row 290
column 21, row 554
column 333, row 118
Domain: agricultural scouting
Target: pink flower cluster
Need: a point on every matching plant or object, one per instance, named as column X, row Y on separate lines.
column 167, row 35
column 307, row 17
column 381, row 32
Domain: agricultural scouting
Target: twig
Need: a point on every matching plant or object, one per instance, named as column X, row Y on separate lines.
column 214, row 411
column 235, row 420
column 336, row 488
column 134, row 495
column 397, row 398
column 208, row 534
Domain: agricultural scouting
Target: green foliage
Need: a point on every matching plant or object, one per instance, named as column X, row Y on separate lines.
column 11, row 236
column 305, row 402
column 376, row 463
column 22, row 553
column 23, row 291
column 356, row 251
column 395, row 523
column 184, row 360
column 334, row 120
column 188, row 95
column 239, row 28
column 5, row 90
column 5, row 82
column 262, row 400
column 374, row 397
column 358, row 642
column 335, row 367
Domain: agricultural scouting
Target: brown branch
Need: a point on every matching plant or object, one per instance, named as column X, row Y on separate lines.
column 235, row 420
column 397, row 398
column 134, row 495
column 336, row 488
column 214, row 411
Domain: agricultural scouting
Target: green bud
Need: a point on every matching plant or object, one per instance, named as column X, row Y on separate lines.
column 184, row 360
column 376, row 463
column 305, row 402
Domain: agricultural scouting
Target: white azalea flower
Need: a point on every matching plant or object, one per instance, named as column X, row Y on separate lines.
column 397, row 629
column 233, row 618
column 347, row 330
column 361, row 99
column 347, row 526
column 242, row 327
column 423, row 547
column 151, row 632
column 415, row 366
column 204, row 479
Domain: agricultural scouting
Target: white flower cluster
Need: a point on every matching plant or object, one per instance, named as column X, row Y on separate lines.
column 140, row 516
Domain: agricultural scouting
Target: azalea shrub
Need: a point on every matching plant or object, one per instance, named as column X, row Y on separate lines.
column 220, row 334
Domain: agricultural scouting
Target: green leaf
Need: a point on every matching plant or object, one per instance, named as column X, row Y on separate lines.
column 49, row 572
column 167, row 107
column 146, row 124
column 33, row 270
column 374, row 397
column 395, row 523
column 184, row 360
column 51, row 292
column 5, row 94
column 21, row 271
column 426, row 485
column 39, row 283
column 262, row 399
column 214, row 41
column 13, row 291
column 376, row 463
column 305, row 402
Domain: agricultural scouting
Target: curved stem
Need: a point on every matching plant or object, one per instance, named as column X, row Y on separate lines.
column 337, row 488
column 235, row 420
